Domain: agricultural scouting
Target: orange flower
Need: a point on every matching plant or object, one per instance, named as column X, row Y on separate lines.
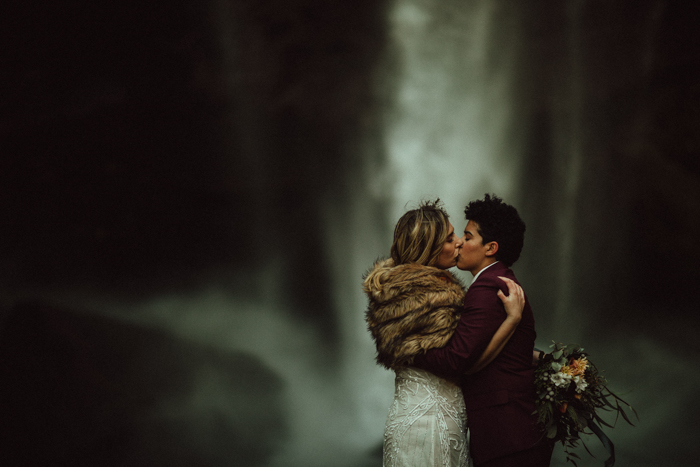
column 578, row 367
column 563, row 406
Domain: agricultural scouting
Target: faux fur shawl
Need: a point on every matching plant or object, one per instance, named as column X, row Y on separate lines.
column 412, row 308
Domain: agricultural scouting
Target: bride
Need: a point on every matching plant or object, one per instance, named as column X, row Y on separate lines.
column 414, row 305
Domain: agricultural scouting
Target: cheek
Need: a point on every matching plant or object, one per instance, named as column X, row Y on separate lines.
column 447, row 252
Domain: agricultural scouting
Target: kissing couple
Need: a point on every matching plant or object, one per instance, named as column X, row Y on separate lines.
column 463, row 359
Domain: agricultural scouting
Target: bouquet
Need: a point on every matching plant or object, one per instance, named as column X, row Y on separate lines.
column 570, row 392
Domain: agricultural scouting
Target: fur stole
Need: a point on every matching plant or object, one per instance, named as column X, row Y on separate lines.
column 412, row 308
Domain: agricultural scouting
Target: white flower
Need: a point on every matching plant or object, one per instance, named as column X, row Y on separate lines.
column 561, row 379
column 581, row 383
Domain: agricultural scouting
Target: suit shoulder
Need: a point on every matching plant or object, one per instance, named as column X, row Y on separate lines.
column 491, row 278
column 499, row 269
column 486, row 282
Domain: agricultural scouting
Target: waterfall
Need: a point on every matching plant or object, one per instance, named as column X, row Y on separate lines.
column 447, row 125
column 446, row 133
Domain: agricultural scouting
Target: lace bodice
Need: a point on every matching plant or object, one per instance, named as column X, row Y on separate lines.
column 426, row 425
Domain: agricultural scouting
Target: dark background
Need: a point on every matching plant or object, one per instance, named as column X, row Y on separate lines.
column 170, row 174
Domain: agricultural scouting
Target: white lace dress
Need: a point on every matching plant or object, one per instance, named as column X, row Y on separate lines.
column 427, row 422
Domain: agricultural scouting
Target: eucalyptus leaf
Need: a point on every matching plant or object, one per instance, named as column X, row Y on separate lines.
column 624, row 415
column 607, row 402
column 603, row 422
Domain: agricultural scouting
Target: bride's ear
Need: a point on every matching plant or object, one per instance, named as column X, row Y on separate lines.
column 491, row 248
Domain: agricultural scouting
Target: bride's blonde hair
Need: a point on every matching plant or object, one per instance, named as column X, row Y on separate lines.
column 420, row 234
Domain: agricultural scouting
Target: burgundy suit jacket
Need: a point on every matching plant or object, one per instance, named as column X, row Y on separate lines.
column 500, row 399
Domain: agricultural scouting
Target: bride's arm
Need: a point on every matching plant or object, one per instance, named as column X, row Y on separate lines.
column 514, row 304
column 536, row 356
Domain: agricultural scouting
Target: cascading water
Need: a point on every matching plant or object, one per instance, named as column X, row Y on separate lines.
column 447, row 124
column 446, row 135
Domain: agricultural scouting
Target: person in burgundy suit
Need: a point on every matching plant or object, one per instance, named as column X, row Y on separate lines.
column 500, row 398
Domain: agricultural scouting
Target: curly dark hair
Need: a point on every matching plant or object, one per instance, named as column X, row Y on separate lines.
column 498, row 222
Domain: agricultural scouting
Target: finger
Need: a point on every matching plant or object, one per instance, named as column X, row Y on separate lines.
column 512, row 285
column 518, row 289
column 521, row 293
column 513, row 288
column 517, row 294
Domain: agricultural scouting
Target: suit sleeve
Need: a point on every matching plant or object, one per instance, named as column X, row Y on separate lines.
column 482, row 316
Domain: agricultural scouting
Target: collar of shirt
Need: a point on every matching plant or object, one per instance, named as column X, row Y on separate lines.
column 482, row 270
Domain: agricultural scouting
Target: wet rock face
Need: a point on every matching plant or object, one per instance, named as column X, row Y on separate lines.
column 81, row 390
column 146, row 143
column 612, row 157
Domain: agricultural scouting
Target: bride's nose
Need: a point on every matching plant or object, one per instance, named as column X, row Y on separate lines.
column 459, row 243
